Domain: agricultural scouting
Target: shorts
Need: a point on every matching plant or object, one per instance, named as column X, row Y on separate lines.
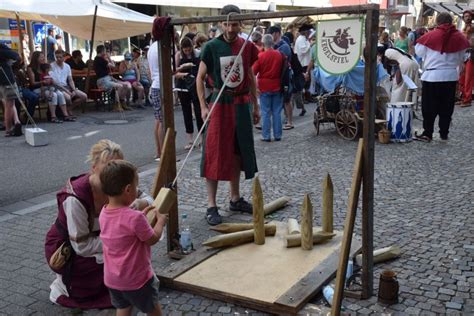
column 145, row 82
column 145, row 298
column 106, row 83
column 155, row 99
column 9, row 92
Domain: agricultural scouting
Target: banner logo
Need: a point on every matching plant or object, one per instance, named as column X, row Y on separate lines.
column 339, row 44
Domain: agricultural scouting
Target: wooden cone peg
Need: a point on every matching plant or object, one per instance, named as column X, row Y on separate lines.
column 307, row 224
column 225, row 228
column 232, row 239
column 318, row 238
column 275, row 205
column 293, row 227
column 258, row 215
column 328, row 207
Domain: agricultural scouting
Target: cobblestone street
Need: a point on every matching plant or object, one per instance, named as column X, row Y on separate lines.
column 423, row 202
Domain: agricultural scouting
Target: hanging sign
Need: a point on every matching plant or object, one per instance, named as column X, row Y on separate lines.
column 339, row 44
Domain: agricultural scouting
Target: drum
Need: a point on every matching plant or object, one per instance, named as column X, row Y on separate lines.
column 399, row 121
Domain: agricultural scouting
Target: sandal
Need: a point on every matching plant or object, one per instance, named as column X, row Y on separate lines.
column 287, row 127
column 56, row 120
column 188, row 146
column 69, row 119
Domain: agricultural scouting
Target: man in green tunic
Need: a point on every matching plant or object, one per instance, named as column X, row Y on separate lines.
column 228, row 145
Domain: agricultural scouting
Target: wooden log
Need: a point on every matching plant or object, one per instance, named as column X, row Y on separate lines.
column 383, row 254
column 293, row 227
column 258, row 215
column 164, row 201
column 307, row 224
column 232, row 239
column 275, row 205
column 348, row 230
column 328, row 207
column 318, row 238
column 225, row 228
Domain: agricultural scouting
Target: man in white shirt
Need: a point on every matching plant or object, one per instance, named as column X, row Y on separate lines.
column 303, row 51
column 155, row 96
column 442, row 51
column 62, row 78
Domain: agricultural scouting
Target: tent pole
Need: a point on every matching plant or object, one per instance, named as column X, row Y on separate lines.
column 29, row 30
column 91, row 48
column 20, row 37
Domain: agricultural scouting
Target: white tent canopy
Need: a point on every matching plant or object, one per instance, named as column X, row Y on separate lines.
column 75, row 17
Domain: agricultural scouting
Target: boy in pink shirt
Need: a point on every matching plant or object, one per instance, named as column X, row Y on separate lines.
column 126, row 239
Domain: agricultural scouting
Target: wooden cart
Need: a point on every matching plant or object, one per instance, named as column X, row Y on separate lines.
column 344, row 111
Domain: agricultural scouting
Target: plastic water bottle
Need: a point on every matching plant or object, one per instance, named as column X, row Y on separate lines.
column 185, row 235
column 328, row 293
column 350, row 269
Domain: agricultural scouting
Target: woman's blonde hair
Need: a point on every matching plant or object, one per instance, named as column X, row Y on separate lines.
column 103, row 150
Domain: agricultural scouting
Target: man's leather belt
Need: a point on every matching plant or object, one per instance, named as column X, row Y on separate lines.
column 232, row 92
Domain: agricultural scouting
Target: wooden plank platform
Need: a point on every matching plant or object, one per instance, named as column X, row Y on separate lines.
column 270, row 277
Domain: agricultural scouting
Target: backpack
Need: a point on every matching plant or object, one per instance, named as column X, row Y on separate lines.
column 286, row 76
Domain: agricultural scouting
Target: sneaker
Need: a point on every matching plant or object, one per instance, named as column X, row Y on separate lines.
column 303, row 112
column 213, row 217
column 277, row 139
column 444, row 139
column 241, row 206
column 423, row 137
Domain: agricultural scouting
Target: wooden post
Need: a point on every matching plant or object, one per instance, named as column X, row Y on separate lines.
column 258, row 215
column 328, row 207
column 371, row 35
column 168, row 159
column 307, row 224
column 20, row 37
column 91, row 49
column 348, row 231
column 166, row 88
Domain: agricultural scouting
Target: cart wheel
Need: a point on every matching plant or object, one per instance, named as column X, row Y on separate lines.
column 347, row 124
column 316, row 122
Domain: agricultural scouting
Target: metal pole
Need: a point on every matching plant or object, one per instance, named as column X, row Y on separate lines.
column 371, row 35
column 91, row 49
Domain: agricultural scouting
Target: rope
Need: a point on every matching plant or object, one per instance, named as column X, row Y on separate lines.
column 215, row 102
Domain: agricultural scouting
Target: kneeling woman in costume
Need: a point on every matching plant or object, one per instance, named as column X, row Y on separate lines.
column 79, row 281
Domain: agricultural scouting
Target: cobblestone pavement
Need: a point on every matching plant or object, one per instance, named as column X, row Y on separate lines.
column 423, row 203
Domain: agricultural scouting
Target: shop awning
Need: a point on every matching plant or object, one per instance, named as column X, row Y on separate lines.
column 216, row 4
column 455, row 8
column 75, row 17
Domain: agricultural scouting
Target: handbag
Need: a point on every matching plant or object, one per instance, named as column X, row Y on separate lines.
column 61, row 256
column 64, row 253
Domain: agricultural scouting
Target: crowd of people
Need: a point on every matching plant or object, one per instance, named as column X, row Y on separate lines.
column 57, row 78
column 272, row 75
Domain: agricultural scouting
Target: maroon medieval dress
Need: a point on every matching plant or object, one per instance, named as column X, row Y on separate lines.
column 82, row 276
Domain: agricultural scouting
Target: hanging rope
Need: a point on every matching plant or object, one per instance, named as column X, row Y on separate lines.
column 215, row 101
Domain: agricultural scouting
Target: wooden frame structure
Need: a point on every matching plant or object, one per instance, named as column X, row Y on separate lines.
column 371, row 11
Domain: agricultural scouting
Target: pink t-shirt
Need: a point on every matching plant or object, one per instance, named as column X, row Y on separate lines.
column 127, row 258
